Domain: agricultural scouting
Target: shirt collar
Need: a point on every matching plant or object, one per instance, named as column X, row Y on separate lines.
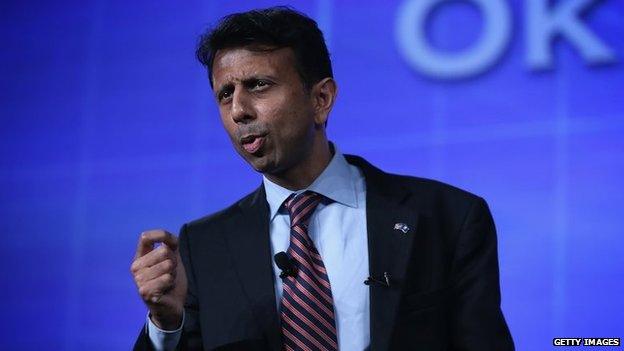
column 335, row 182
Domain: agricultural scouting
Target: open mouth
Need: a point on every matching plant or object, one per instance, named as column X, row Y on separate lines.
column 252, row 143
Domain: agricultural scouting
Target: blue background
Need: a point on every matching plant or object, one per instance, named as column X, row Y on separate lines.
column 109, row 129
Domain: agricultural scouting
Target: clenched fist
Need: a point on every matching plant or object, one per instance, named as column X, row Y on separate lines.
column 160, row 278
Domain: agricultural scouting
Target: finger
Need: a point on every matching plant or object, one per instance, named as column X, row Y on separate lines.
column 153, row 290
column 179, row 263
column 153, row 258
column 151, row 237
column 167, row 266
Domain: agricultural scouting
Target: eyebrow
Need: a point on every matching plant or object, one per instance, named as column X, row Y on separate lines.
column 246, row 82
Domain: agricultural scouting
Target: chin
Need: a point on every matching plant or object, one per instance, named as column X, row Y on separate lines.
column 261, row 164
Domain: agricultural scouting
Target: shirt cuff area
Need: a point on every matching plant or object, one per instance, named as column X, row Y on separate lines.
column 163, row 340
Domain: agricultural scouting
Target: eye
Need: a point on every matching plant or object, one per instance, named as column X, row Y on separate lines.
column 225, row 94
column 259, row 84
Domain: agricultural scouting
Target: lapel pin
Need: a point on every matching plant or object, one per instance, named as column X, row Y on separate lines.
column 402, row 227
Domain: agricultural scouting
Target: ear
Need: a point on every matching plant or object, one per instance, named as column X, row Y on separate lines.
column 323, row 97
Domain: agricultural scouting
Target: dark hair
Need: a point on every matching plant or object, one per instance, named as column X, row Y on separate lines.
column 274, row 27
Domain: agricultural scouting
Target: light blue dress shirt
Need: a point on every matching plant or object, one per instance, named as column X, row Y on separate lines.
column 338, row 231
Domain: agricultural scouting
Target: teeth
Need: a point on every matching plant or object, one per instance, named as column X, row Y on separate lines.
column 250, row 139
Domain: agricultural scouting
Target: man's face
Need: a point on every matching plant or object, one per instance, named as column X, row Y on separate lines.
column 264, row 107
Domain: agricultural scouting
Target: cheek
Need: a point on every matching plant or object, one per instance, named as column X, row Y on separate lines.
column 288, row 117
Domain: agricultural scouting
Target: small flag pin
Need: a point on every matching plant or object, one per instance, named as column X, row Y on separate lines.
column 402, row 227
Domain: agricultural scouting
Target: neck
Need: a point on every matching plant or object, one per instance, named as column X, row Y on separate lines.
column 302, row 175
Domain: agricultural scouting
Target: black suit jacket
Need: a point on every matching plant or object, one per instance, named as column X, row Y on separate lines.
column 444, row 292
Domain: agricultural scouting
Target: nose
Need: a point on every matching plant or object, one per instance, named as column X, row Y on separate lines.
column 242, row 111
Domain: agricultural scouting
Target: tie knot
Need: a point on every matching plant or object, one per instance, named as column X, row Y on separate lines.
column 300, row 207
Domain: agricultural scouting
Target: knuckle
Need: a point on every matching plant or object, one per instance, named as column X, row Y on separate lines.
column 162, row 252
column 134, row 267
column 168, row 265
column 167, row 278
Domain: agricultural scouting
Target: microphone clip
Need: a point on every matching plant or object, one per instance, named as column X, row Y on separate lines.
column 288, row 272
column 286, row 265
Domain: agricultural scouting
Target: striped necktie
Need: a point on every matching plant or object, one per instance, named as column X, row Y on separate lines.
column 307, row 307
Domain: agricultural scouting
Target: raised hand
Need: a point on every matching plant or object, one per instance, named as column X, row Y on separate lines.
column 160, row 277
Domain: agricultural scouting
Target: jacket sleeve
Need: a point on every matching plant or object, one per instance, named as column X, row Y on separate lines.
column 477, row 319
column 191, row 332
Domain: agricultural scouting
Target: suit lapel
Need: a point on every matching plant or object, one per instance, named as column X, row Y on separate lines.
column 388, row 248
column 249, row 243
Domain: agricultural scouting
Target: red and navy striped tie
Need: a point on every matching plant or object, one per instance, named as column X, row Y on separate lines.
column 307, row 307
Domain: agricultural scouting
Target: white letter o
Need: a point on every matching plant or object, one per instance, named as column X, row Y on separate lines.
column 413, row 45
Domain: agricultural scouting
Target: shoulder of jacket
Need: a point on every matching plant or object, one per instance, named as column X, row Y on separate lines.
column 434, row 191
column 216, row 218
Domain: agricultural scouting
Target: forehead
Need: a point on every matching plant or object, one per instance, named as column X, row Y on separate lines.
column 239, row 63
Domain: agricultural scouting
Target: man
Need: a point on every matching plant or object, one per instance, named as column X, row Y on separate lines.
column 426, row 250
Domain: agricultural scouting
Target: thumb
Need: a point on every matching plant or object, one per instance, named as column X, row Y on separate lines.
column 180, row 274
